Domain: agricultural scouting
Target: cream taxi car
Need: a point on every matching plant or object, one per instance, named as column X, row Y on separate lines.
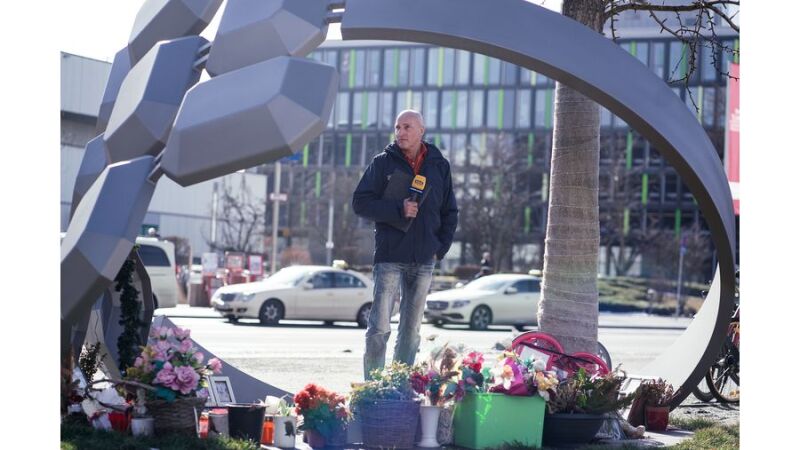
column 501, row 299
column 299, row 293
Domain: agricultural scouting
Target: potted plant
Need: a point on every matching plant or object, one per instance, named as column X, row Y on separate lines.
column 656, row 396
column 324, row 415
column 173, row 373
column 576, row 407
column 438, row 382
column 502, row 404
column 387, row 407
column 285, row 425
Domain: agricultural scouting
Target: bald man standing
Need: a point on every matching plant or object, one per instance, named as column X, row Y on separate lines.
column 404, row 260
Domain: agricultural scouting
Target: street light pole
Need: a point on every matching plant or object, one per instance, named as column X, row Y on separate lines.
column 680, row 280
column 329, row 244
column 275, row 213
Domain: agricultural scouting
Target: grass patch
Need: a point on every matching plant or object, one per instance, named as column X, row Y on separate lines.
column 711, row 438
column 691, row 424
column 83, row 437
column 629, row 294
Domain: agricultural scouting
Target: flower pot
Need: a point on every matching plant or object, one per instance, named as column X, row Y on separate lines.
column 445, row 432
column 429, row 419
column 218, row 421
column 389, row 423
column 178, row 416
column 656, row 418
column 285, row 430
column 489, row 420
column 142, row 426
column 119, row 421
column 314, row 439
column 246, row 420
column 562, row 429
column 338, row 438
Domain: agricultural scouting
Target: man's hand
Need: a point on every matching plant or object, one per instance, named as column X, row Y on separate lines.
column 410, row 209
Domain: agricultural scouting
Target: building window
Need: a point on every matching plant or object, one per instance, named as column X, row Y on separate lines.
column 657, row 59
column 431, row 111
column 434, row 56
column 458, row 150
column 543, row 116
column 345, row 69
column 708, row 70
column 462, row 67
column 508, row 73
column 480, row 69
column 500, row 109
column 709, row 101
column 342, row 109
column 605, row 117
column 524, row 108
column 476, row 108
column 494, row 72
column 417, row 68
column 387, row 111
column 365, row 109
column 527, row 77
column 373, row 68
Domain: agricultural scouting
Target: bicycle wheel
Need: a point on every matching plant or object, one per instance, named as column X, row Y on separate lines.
column 701, row 391
column 723, row 377
column 602, row 352
column 537, row 345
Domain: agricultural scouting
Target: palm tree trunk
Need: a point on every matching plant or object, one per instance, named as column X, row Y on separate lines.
column 568, row 307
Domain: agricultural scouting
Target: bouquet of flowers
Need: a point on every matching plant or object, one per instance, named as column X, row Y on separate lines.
column 438, row 380
column 513, row 376
column 323, row 411
column 171, row 364
column 586, row 394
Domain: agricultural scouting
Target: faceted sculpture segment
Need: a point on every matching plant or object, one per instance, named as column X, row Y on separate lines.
column 252, row 31
column 119, row 70
column 149, row 98
column 250, row 116
column 160, row 20
column 100, row 237
column 93, row 162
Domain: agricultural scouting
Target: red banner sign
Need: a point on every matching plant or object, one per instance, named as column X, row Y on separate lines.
column 732, row 135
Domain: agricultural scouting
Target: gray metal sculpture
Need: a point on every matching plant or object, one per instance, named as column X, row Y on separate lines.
column 205, row 143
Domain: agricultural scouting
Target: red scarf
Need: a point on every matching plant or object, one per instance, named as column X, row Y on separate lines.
column 417, row 162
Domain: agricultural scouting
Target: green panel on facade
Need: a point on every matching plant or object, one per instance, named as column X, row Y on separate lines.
column 437, row 140
column 305, row 156
column 440, row 75
column 633, row 48
column 500, row 100
column 527, row 219
column 317, row 183
column 548, row 108
column 530, row 149
column 677, row 222
column 396, row 66
column 348, row 150
column 736, row 51
column 645, row 187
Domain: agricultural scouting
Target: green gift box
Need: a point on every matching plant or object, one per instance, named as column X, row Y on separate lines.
column 489, row 420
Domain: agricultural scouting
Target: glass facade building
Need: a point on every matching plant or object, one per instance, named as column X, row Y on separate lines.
column 471, row 102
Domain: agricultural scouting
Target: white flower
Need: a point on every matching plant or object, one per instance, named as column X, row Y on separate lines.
column 538, row 365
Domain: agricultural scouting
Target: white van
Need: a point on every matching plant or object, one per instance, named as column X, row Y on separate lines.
column 158, row 257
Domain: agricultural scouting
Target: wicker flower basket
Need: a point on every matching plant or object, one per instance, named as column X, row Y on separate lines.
column 389, row 423
column 178, row 416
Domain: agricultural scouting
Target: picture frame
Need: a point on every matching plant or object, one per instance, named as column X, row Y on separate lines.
column 222, row 390
column 211, row 401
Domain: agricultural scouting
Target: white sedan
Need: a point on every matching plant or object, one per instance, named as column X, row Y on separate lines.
column 501, row 299
column 299, row 293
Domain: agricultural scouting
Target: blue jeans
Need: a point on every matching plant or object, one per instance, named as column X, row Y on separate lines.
column 413, row 281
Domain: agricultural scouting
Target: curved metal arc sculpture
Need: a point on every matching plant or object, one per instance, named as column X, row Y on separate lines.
column 560, row 48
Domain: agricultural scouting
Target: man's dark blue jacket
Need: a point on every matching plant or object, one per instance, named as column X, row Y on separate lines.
column 432, row 231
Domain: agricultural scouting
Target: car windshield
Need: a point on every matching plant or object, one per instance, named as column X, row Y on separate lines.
column 291, row 276
column 486, row 284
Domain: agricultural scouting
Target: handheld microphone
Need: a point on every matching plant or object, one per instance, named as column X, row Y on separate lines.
column 417, row 187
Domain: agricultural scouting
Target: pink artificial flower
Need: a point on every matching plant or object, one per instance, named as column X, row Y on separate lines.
column 138, row 362
column 198, row 357
column 186, row 379
column 203, row 392
column 215, row 365
column 181, row 333
column 186, row 346
column 165, row 376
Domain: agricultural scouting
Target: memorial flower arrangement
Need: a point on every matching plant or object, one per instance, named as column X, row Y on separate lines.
column 392, row 382
column 438, row 380
column 172, row 365
column 323, row 411
column 586, row 394
column 514, row 376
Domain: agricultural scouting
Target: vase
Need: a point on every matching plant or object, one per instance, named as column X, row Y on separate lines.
column 429, row 419
column 656, row 418
column 314, row 439
column 285, row 430
column 445, row 432
column 563, row 429
column 142, row 426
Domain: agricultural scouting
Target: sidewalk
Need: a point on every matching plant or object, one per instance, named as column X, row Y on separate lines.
column 607, row 320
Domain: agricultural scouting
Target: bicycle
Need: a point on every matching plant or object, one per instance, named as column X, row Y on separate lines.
column 545, row 347
column 723, row 376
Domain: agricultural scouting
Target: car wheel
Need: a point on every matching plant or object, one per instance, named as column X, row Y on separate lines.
column 232, row 319
column 519, row 327
column 271, row 312
column 438, row 323
column 480, row 318
column 362, row 317
column 328, row 323
column 155, row 302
